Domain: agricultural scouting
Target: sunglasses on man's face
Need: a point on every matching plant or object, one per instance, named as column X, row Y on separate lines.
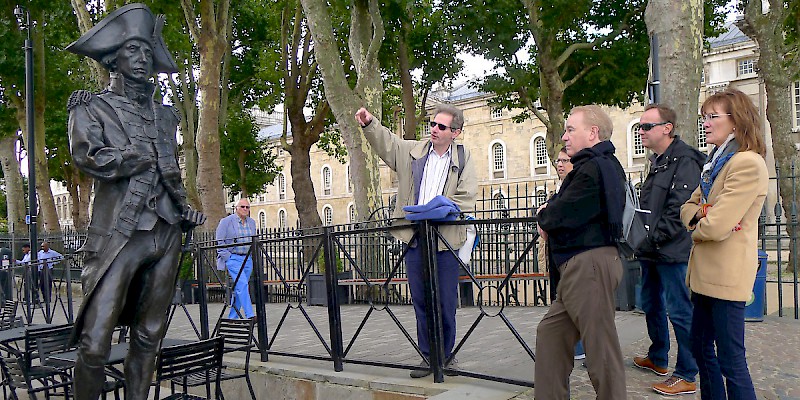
column 648, row 125
column 442, row 127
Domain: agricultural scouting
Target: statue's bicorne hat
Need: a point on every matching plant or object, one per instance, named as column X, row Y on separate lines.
column 133, row 21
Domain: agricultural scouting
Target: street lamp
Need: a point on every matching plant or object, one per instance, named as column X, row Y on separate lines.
column 24, row 22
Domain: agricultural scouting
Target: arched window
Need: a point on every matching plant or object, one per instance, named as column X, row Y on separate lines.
column 282, row 218
column 262, row 219
column 351, row 213
column 497, row 113
column 541, row 197
column 701, row 134
column 327, row 215
column 349, row 182
column 638, row 188
column 541, row 151
column 637, row 148
column 281, row 186
column 499, row 205
column 326, row 180
column 498, row 160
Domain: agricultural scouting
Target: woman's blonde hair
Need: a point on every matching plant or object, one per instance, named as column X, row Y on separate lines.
column 745, row 116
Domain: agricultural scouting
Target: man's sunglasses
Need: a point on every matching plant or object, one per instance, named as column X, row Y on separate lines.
column 647, row 125
column 246, row 207
column 442, row 127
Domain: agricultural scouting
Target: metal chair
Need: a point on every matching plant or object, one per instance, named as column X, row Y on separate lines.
column 191, row 364
column 8, row 316
column 14, row 368
column 238, row 335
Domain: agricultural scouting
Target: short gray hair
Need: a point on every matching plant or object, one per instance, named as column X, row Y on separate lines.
column 449, row 109
column 594, row 115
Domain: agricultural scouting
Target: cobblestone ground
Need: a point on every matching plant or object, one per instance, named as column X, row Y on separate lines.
column 773, row 355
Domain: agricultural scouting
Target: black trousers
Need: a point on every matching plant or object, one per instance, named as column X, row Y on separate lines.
column 140, row 281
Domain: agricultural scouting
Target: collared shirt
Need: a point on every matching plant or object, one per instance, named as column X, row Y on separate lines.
column 25, row 258
column 46, row 255
column 435, row 175
column 244, row 233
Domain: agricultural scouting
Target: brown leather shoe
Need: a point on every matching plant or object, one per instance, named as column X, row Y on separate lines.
column 675, row 386
column 645, row 363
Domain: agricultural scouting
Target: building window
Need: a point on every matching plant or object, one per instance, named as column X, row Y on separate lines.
column 349, row 183
column 701, row 134
column 261, row 198
column 262, row 219
column 703, row 76
column 541, row 151
column 638, row 147
column 281, row 186
column 746, row 66
column 282, row 219
column 327, row 215
column 351, row 213
column 541, row 197
column 326, row 180
column 796, row 102
column 497, row 113
column 426, row 129
column 638, row 189
column 498, row 161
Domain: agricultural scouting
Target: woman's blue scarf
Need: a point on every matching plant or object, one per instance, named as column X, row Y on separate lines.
column 716, row 160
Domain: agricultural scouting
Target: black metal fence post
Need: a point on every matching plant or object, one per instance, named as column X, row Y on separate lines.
column 203, row 300
column 428, row 247
column 261, row 310
column 334, row 313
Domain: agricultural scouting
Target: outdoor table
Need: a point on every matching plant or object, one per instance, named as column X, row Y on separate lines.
column 116, row 356
column 9, row 337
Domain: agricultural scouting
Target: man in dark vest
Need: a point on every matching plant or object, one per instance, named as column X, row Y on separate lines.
column 126, row 142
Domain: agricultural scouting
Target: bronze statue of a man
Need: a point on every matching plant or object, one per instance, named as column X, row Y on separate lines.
column 126, row 142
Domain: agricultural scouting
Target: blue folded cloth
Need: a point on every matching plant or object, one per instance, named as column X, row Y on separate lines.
column 440, row 208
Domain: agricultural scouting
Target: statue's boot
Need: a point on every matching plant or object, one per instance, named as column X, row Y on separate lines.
column 88, row 380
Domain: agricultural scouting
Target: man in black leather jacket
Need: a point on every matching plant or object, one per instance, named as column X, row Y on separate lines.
column 673, row 175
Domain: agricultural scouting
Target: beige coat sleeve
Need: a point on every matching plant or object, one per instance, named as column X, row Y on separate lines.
column 740, row 188
column 690, row 208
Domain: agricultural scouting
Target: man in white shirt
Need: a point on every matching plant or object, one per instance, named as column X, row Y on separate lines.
column 47, row 257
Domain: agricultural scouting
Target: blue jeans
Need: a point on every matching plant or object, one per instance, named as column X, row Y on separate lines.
column 720, row 322
column 448, row 269
column 579, row 348
column 241, row 292
column 664, row 293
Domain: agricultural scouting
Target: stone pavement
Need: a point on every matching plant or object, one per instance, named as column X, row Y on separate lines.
column 773, row 351
column 773, row 347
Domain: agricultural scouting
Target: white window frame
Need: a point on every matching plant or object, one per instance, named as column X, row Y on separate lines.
column 327, row 185
column 534, row 163
column 630, row 133
column 497, row 113
column 262, row 219
column 327, row 215
column 283, row 220
column 492, row 165
column 539, row 195
column 281, row 186
column 701, row 134
column 746, row 66
column 795, row 93
column 351, row 213
column 349, row 181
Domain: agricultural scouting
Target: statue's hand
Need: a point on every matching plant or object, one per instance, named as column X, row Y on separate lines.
column 137, row 158
column 191, row 218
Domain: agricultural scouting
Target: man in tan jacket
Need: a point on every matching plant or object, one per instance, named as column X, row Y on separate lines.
column 426, row 169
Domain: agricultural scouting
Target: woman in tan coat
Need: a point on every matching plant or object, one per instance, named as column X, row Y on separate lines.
column 723, row 217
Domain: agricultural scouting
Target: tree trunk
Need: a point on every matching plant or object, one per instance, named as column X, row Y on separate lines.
column 99, row 74
column 773, row 68
column 15, row 190
column 188, row 109
column 80, row 204
column 679, row 26
column 305, row 199
column 407, row 83
column 209, row 35
column 366, row 36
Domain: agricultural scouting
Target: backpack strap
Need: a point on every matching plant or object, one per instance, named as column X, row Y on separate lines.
column 461, row 161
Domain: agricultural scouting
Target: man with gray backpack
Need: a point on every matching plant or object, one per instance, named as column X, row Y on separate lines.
column 673, row 176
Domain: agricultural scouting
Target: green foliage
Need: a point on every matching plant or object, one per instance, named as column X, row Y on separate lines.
column 187, row 267
column 321, row 263
column 330, row 141
column 248, row 163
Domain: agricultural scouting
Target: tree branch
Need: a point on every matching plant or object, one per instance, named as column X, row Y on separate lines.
column 191, row 20
column 597, row 41
column 580, row 75
column 377, row 31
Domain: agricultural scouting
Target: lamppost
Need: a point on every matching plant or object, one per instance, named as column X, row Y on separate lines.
column 24, row 22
